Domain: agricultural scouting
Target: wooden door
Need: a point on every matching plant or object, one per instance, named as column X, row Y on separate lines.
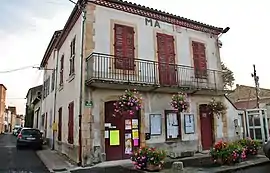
column 116, row 125
column 166, row 59
column 206, row 119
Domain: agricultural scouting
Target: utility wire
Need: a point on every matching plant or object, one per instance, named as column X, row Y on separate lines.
column 14, row 98
column 18, row 69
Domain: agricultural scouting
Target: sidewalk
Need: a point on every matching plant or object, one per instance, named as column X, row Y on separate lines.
column 54, row 161
column 257, row 161
column 199, row 163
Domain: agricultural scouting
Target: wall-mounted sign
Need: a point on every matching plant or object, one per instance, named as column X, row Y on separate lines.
column 189, row 123
column 88, row 103
column 155, row 124
column 151, row 22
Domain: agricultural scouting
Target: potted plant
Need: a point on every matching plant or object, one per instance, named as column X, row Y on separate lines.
column 179, row 102
column 148, row 158
column 129, row 102
column 217, row 107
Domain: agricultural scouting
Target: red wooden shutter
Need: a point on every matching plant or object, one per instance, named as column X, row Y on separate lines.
column 166, row 59
column 71, row 123
column 62, row 70
column 199, row 59
column 124, row 47
column 171, row 73
column 60, row 124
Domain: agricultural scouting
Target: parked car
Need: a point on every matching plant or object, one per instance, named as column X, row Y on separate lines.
column 30, row 137
column 266, row 148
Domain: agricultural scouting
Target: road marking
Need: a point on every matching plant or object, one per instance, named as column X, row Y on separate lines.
column 20, row 171
column 8, row 146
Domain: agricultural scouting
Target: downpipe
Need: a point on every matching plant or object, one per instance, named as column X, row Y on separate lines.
column 81, row 84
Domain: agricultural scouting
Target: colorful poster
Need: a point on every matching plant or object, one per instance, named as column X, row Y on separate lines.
column 136, row 142
column 135, row 134
column 128, row 124
column 135, row 123
column 114, row 137
column 128, row 143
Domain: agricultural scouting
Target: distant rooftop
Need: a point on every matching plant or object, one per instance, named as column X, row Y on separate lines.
column 2, row 85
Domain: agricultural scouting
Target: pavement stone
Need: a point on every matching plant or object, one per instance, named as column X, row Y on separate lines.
column 53, row 161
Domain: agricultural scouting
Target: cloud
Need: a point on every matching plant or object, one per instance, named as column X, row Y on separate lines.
column 24, row 41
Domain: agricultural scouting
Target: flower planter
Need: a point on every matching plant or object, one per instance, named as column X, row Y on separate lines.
column 219, row 161
column 152, row 168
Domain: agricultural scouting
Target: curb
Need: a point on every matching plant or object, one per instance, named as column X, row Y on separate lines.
column 42, row 160
column 244, row 166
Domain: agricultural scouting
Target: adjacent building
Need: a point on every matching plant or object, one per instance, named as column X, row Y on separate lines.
column 245, row 98
column 8, row 121
column 118, row 46
column 3, row 90
column 31, row 96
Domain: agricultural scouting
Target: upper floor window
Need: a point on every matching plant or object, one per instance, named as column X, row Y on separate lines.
column 72, row 57
column 53, row 79
column 124, row 47
column 46, row 87
column 199, row 60
column 61, row 71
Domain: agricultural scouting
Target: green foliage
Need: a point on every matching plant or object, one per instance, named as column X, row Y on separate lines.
column 233, row 152
column 228, row 76
column 146, row 156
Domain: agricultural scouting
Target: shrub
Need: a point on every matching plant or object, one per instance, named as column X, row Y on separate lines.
column 228, row 153
column 146, row 156
column 251, row 146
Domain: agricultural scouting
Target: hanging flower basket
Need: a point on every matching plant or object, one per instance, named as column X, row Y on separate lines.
column 129, row 102
column 217, row 107
column 179, row 102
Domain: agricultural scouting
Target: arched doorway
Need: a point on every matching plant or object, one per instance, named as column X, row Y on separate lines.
column 121, row 133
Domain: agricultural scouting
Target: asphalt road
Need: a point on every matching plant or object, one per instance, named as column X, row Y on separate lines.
column 18, row 161
column 257, row 169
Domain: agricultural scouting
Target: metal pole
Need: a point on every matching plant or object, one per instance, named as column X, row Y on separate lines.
column 256, row 80
column 81, row 84
column 55, row 96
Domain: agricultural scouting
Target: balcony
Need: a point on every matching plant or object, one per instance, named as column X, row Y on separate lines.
column 148, row 75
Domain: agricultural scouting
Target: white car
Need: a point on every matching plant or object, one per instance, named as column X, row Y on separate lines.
column 16, row 128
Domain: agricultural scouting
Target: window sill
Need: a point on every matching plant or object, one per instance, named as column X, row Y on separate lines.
column 61, row 86
column 71, row 77
column 171, row 141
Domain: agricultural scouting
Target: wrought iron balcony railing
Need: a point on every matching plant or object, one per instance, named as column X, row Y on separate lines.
column 103, row 67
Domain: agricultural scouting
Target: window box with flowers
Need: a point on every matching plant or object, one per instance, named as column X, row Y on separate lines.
column 130, row 102
column 148, row 158
column 217, row 107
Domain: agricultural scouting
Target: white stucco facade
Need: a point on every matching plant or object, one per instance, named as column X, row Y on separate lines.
column 66, row 93
column 145, row 36
column 146, row 44
column 101, row 21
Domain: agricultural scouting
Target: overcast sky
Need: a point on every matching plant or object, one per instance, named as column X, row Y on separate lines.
column 26, row 27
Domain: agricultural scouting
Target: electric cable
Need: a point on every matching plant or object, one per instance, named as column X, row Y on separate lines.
column 18, row 69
